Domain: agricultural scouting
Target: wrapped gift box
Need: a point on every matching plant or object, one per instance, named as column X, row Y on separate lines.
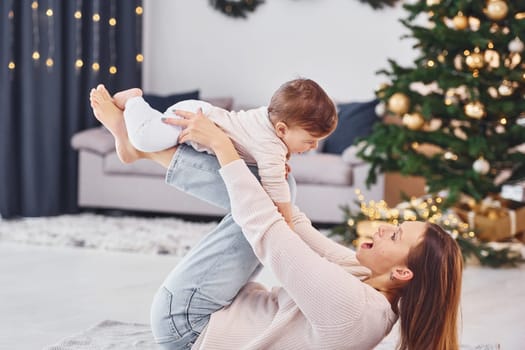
column 494, row 223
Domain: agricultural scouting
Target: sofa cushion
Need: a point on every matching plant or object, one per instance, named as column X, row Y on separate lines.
column 321, row 169
column 142, row 167
column 162, row 103
column 355, row 120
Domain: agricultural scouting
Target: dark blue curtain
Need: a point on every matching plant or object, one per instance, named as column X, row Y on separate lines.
column 52, row 53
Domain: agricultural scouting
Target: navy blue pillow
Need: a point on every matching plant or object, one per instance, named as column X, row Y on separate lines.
column 161, row 103
column 355, row 120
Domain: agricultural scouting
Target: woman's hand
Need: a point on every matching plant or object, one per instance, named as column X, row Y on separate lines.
column 198, row 128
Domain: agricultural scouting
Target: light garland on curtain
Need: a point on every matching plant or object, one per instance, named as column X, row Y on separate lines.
column 138, row 35
column 77, row 15
column 112, row 43
column 36, row 39
column 10, row 16
column 50, row 61
column 47, row 26
column 36, row 31
column 95, row 66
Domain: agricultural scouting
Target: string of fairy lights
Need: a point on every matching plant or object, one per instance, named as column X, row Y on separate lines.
column 96, row 36
column 43, row 14
column 10, row 16
column 79, row 63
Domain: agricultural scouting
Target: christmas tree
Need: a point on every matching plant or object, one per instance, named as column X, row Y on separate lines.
column 457, row 116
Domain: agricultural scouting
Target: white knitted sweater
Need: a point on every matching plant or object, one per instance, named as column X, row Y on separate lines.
column 322, row 303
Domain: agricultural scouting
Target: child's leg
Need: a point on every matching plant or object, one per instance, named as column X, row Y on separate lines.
column 213, row 272
column 146, row 131
column 107, row 112
column 121, row 97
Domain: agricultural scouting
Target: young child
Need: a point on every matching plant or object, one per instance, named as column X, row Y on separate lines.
column 300, row 114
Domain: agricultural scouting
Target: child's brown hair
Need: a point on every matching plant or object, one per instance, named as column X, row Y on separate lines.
column 303, row 103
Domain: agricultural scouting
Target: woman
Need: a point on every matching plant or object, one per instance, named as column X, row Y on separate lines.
column 331, row 297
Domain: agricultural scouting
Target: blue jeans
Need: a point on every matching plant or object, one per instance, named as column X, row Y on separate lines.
column 212, row 273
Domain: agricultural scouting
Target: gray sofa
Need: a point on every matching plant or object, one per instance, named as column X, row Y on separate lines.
column 325, row 182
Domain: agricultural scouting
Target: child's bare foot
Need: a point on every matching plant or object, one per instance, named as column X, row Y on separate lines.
column 121, row 97
column 112, row 118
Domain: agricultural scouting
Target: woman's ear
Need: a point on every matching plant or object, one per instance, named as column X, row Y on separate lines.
column 402, row 274
column 281, row 128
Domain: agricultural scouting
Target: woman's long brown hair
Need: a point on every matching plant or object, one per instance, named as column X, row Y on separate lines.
column 429, row 303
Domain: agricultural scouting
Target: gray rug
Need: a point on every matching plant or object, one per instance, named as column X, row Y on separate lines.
column 114, row 335
column 124, row 233
column 107, row 335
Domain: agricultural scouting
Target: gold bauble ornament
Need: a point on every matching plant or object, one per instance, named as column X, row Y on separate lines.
column 492, row 58
column 493, row 92
column 433, row 2
column 496, row 9
column 380, row 91
column 462, row 92
column 516, row 45
column 475, row 110
column 399, row 103
column 475, row 60
column 481, row 166
column 413, row 121
column 505, row 89
column 380, row 109
column 474, row 23
column 460, row 21
column 513, row 60
column 450, row 97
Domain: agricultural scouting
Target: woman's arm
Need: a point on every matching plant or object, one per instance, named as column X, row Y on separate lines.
column 326, row 247
column 324, row 291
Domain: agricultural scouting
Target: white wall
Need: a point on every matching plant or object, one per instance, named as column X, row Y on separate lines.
column 338, row 43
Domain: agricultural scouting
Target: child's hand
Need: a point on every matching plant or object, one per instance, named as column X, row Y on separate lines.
column 287, row 170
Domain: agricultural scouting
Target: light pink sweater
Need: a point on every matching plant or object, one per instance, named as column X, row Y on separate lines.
column 322, row 303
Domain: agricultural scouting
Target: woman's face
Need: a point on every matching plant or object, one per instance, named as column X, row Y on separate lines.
column 390, row 246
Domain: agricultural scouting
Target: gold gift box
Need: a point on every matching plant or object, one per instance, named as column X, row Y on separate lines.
column 494, row 223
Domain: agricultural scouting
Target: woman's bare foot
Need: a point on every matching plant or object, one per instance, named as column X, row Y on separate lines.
column 112, row 117
column 120, row 98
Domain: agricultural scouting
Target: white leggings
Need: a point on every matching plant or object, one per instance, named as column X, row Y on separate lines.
column 147, row 132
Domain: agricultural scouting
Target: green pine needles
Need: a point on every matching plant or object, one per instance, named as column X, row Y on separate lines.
column 457, row 115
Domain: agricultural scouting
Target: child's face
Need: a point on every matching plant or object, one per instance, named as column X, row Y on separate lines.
column 299, row 140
